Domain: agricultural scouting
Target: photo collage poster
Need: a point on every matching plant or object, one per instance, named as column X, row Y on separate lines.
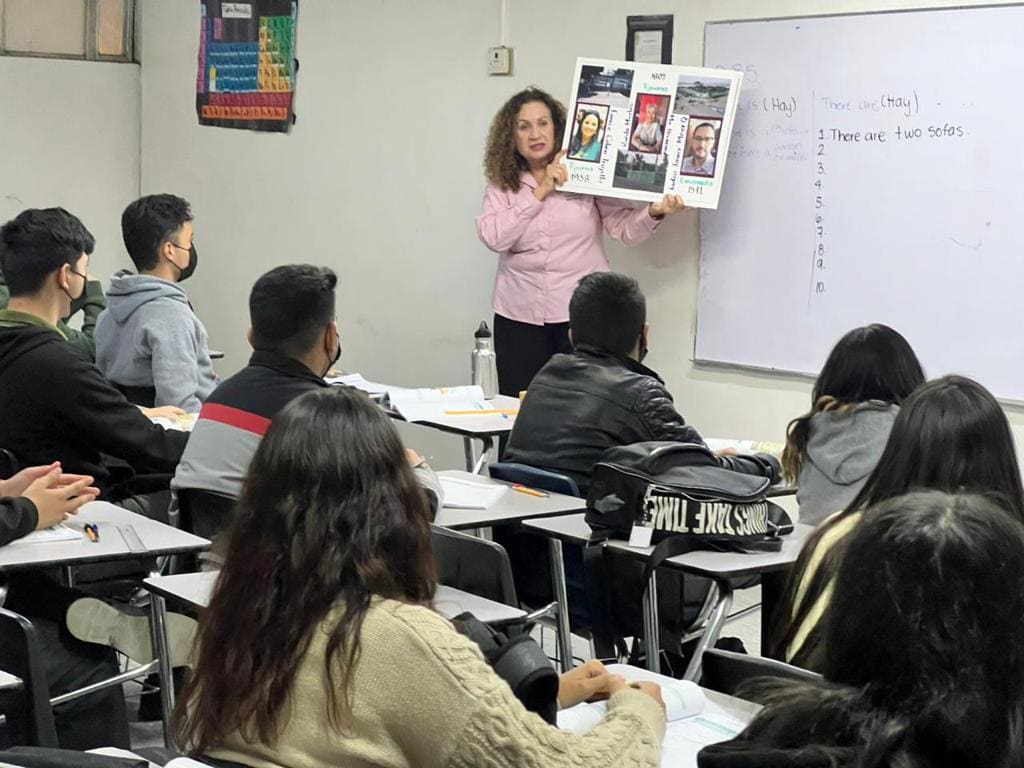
column 641, row 131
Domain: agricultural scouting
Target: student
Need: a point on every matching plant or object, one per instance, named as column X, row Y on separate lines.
column 320, row 647
column 91, row 303
column 831, row 450
column 601, row 395
column 295, row 342
column 545, row 240
column 54, row 402
column 950, row 435
column 149, row 342
column 76, row 634
column 925, row 662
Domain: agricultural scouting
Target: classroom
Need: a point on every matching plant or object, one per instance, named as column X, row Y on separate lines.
column 799, row 354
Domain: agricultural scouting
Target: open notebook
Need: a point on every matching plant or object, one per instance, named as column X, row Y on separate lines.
column 59, row 532
column 682, row 699
column 433, row 404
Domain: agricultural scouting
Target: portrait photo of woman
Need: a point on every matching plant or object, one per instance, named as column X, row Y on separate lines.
column 588, row 136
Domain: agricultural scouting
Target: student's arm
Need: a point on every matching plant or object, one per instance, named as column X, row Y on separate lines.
column 505, row 218
column 94, row 408
column 175, row 362
column 463, row 715
column 658, row 417
column 18, row 517
column 427, row 478
column 625, row 223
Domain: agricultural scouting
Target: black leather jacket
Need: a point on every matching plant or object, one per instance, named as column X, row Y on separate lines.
column 580, row 405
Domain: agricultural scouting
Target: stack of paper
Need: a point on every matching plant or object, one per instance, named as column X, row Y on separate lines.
column 718, row 444
column 469, row 494
column 182, row 423
column 434, row 404
column 356, row 381
column 59, row 532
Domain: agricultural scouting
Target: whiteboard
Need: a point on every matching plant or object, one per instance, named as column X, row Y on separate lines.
column 876, row 174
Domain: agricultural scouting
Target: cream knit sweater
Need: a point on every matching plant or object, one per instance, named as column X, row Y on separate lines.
column 424, row 696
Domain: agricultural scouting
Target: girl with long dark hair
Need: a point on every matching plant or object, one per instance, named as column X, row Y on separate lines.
column 831, row 449
column 925, row 662
column 950, row 435
column 320, row 647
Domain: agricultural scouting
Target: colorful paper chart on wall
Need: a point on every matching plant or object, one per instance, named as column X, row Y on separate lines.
column 641, row 131
column 247, row 64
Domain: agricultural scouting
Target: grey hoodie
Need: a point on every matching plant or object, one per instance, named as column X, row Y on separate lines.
column 149, row 337
column 842, row 450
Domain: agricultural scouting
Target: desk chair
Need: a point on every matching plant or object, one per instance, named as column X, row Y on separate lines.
column 728, row 672
column 473, row 565
column 28, row 712
column 542, row 479
column 204, row 513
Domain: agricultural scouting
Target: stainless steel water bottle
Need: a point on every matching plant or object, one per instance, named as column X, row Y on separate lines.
column 483, row 361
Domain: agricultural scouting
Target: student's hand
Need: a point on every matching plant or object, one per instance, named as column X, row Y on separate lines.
column 16, row 485
column 669, row 204
column 55, row 501
column 651, row 689
column 555, row 175
column 590, row 681
column 414, row 459
column 726, row 452
column 163, row 411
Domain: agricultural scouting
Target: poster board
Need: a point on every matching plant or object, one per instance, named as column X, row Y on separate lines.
column 642, row 131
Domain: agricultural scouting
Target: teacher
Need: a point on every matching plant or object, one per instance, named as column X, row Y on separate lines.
column 545, row 240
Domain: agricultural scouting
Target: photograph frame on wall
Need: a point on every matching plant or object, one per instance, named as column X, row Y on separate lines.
column 648, row 131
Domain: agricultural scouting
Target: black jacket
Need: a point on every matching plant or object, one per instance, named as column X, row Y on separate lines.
column 55, row 405
column 18, row 517
column 582, row 404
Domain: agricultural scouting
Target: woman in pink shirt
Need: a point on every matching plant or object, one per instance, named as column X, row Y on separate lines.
column 545, row 240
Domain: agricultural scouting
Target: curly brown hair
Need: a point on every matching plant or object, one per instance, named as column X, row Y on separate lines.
column 502, row 163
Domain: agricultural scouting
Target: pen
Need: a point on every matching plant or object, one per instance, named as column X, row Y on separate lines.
column 529, row 491
column 92, row 532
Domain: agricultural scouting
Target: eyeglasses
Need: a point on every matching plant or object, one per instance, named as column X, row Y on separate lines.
column 703, row 139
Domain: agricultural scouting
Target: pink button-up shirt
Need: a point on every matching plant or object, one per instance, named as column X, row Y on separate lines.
column 545, row 247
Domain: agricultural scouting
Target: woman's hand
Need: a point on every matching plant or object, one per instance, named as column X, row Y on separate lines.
column 651, row 689
column 590, row 681
column 555, row 175
column 669, row 204
column 56, row 495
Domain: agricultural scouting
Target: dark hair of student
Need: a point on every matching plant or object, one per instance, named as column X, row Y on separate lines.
column 502, row 162
column 576, row 143
column 290, row 306
column 950, row 435
column 870, row 363
column 148, row 223
column 925, row 663
column 36, row 243
column 330, row 515
column 607, row 310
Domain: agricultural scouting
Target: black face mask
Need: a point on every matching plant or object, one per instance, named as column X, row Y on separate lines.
column 190, row 268
column 337, row 357
column 81, row 293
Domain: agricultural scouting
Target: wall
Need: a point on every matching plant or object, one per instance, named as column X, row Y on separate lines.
column 70, row 137
column 381, row 179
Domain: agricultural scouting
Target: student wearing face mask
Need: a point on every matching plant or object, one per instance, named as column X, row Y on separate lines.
column 601, row 395
column 149, row 342
column 294, row 336
column 55, row 404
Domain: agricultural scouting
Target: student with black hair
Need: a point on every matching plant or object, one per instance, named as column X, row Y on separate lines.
column 950, row 435
column 55, row 403
column 294, row 336
column 925, row 661
column 321, row 647
column 601, row 395
column 149, row 341
column 831, row 449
